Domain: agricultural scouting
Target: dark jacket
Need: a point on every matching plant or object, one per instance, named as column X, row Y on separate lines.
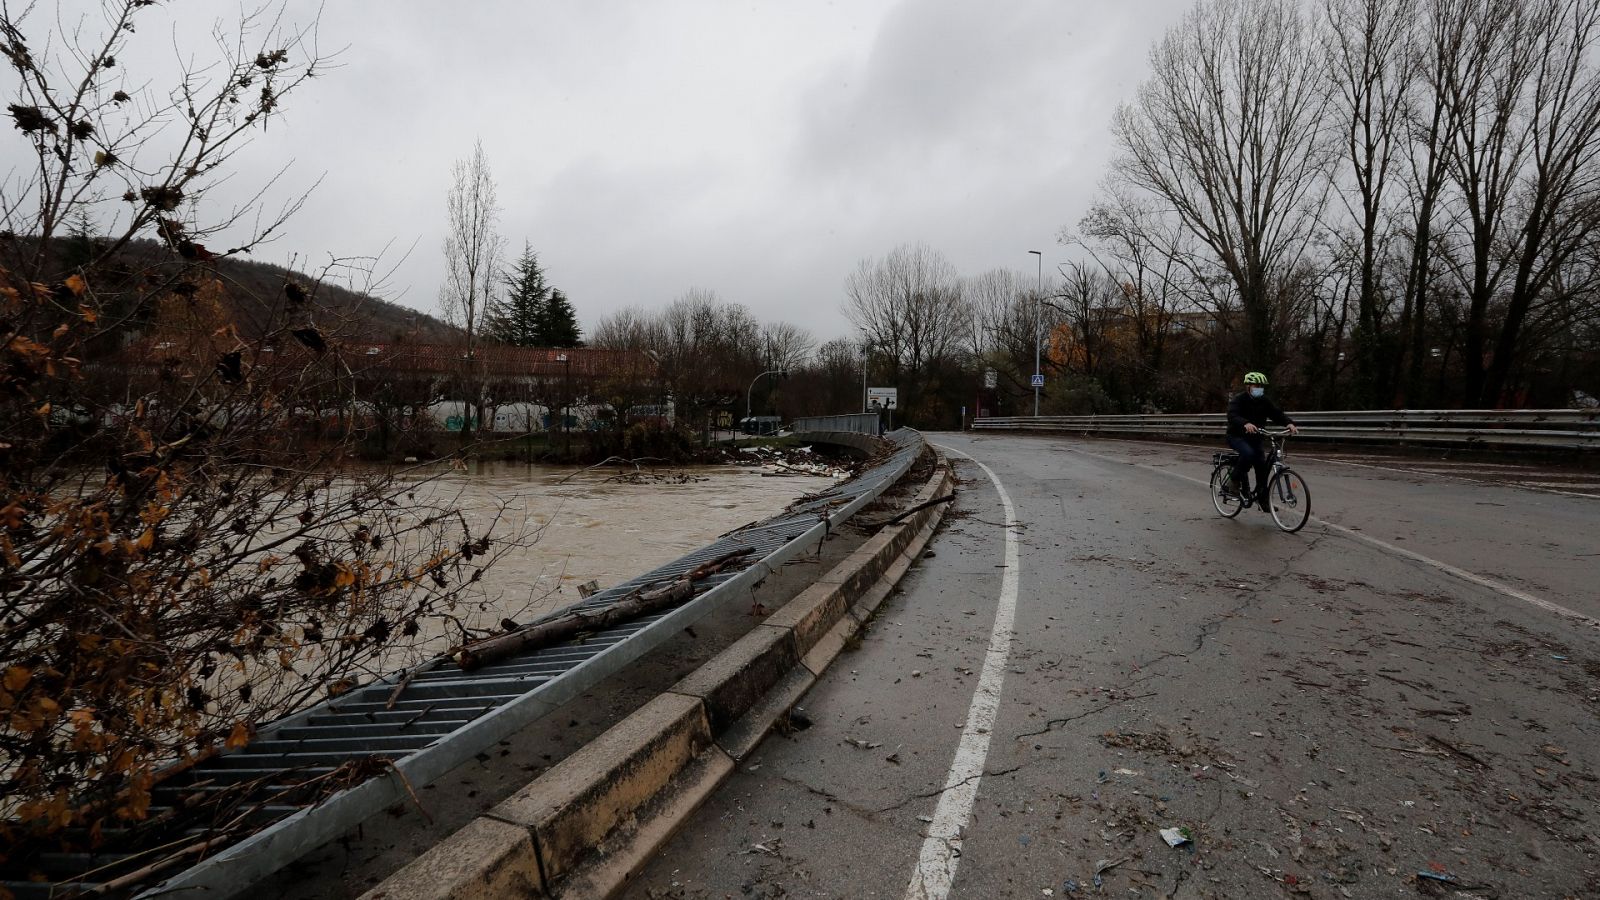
column 1257, row 411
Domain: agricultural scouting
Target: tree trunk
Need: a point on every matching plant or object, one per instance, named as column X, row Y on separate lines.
column 573, row 622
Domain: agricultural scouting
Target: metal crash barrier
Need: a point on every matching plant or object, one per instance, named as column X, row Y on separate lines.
column 855, row 423
column 1569, row 429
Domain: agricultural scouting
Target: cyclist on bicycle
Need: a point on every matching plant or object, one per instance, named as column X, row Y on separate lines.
column 1248, row 411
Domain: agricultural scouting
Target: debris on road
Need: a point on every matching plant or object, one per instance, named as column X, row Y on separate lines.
column 1176, row 837
column 862, row 745
column 1106, row 865
column 770, row 848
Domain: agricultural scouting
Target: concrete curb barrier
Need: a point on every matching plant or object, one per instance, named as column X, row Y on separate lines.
column 582, row 828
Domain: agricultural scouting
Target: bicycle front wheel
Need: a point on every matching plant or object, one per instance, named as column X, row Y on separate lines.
column 1221, row 482
column 1290, row 500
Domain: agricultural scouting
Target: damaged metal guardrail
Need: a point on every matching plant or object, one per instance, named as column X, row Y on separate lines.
column 409, row 729
column 1571, row 429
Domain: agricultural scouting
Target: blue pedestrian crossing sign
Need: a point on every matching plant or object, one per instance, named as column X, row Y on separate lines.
column 1038, row 380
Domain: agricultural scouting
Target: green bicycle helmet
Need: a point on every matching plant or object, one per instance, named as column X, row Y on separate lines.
column 1254, row 378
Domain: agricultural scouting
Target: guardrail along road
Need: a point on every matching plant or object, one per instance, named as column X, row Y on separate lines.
column 1565, row 429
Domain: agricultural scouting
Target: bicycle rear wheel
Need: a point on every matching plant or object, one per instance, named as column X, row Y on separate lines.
column 1290, row 500
column 1222, row 480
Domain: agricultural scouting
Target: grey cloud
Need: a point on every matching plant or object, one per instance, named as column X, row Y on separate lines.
column 755, row 150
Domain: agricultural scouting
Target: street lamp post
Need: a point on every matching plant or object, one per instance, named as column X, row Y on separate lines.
column 865, row 350
column 1038, row 327
column 751, row 390
column 566, row 399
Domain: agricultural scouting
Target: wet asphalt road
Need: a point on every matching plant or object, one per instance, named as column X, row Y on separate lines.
column 1325, row 717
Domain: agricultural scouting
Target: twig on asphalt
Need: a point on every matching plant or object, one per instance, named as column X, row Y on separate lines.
column 1457, row 751
column 1418, row 751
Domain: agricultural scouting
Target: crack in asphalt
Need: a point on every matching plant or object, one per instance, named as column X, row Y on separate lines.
column 1207, row 629
column 968, row 780
column 1050, row 725
column 861, row 812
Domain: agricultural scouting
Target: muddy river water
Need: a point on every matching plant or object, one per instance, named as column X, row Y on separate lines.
column 605, row 525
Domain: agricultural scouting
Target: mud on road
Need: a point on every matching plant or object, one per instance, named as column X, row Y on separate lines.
column 1320, row 718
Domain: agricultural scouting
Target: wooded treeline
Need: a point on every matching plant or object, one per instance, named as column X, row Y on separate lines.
column 1391, row 202
column 1382, row 203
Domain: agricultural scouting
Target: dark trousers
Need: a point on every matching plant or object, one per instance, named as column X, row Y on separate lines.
column 1251, row 455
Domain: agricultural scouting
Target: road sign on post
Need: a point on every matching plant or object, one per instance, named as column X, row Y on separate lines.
column 991, row 379
column 1038, row 380
column 883, row 397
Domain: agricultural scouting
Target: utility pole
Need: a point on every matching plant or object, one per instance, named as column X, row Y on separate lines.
column 566, row 400
column 864, row 352
column 1038, row 327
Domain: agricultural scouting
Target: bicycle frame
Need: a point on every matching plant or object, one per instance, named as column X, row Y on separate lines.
column 1277, row 440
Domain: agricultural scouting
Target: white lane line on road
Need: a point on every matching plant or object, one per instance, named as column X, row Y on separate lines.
column 1396, row 470
column 1464, row 575
column 1429, row 561
column 941, row 849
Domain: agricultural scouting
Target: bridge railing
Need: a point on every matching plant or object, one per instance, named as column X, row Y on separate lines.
column 1576, row 429
column 854, row 423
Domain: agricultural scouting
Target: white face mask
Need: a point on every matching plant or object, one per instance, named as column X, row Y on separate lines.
column 1257, row 391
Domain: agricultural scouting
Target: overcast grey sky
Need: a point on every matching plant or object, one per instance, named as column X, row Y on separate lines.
column 757, row 149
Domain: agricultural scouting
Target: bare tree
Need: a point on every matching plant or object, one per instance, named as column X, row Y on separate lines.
column 1430, row 129
column 830, row 382
column 629, row 328
column 1007, row 319
column 709, row 351
column 1145, row 253
column 785, row 345
column 183, row 553
column 1485, row 88
column 1227, row 131
column 910, row 308
column 1368, row 46
column 1560, row 185
column 1091, row 305
column 472, row 250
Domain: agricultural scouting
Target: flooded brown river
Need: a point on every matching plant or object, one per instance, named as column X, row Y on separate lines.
column 593, row 525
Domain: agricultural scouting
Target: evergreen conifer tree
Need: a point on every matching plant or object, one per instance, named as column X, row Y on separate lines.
column 518, row 316
column 560, row 324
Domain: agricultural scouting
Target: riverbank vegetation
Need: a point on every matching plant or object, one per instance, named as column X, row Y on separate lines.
column 182, row 555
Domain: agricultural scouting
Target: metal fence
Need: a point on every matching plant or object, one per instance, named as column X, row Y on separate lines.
column 854, row 423
column 428, row 722
column 1574, row 429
